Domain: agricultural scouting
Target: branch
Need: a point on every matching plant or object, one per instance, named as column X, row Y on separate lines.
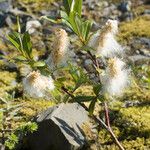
column 109, row 127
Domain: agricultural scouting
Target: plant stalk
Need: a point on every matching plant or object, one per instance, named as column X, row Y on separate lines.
column 109, row 127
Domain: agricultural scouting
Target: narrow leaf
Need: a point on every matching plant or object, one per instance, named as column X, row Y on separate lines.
column 97, row 89
column 67, row 5
column 84, row 98
column 51, row 19
column 20, row 58
column 27, row 45
column 39, row 64
column 92, row 106
column 78, row 7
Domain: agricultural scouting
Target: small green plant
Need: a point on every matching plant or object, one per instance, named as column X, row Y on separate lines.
column 22, row 42
column 18, row 134
column 103, row 50
column 9, row 113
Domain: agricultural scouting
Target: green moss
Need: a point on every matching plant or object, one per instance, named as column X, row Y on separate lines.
column 137, row 118
column 7, row 82
column 32, row 107
column 131, row 127
column 36, row 5
column 37, row 1
column 139, row 27
column 140, row 9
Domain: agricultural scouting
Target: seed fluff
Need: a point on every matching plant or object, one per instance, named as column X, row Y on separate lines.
column 115, row 79
column 36, row 85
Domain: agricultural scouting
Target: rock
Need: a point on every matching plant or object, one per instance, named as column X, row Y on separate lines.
column 139, row 59
column 131, row 103
column 88, row 62
column 9, row 21
column 32, row 25
column 145, row 52
column 147, row 12
column 2, row 19
column 2, row 146
column 59, row 127
column 145, row 41
column 5, row 5
column 141, row 44
column 89, row 65
column 124, row 6
column 92, row 75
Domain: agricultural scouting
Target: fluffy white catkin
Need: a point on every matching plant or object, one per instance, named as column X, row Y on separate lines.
column 104, row 42
column 116, row 77
column 59, row 54
column 36, row 85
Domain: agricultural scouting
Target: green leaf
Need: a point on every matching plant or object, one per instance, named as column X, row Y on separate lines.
column 101, row 98
column 78, row 23
column 73, row 5
column 97, row 89
column 86, row 29
column 27, row 45
column 20, row 58
column 61, row 79
column 11, row 141
column 73, row 72
column 39, row 64
column 84, row 98
column 92, row 106
column 64, row 15
column 14, row 39
column 65, row 19
column 72, row 22
column 77, row 6
column 18, row 23
column 67, row 5
column 3, row 100
column 51, row 19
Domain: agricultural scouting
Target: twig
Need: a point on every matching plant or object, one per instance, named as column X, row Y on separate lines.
column 92, row 58
column 109, row 127
column 107, row 120
column 67, row 92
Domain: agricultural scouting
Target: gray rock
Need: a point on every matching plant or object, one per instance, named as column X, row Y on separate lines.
column 3, row 17
column 32, row 25
column 89, row 65
column 5, row 5
column 131, row 103
column 145, row 52
column 88, row 62
column 59, row 127
column 145, row 41
column 139, row 43
column 92, row 75
column 147, row 12
column 139, row 59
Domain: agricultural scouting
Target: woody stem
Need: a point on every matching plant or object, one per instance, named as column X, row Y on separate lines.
column 109, row 127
